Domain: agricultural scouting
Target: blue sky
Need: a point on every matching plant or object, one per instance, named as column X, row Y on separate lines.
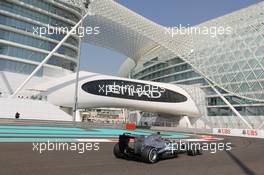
column 164, row 12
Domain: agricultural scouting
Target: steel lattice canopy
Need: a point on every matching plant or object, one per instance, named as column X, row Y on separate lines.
column 239, row 72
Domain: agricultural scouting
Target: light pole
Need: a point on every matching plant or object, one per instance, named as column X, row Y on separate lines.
column 75, row 106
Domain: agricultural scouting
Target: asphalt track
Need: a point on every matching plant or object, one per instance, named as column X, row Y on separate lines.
column 246, row 157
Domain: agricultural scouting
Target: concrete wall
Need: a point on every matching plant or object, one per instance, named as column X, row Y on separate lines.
column 31, row 109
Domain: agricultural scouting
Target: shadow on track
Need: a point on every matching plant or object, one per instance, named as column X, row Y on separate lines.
column 246, row 169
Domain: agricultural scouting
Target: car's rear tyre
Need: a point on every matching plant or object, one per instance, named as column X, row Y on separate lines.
column 191, row 152
column 117, row 152
column 199, row 151
column 149, row 155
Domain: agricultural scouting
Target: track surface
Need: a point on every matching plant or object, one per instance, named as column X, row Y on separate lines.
column 246, row 157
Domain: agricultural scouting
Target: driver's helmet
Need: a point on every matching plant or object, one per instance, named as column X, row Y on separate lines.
column 156, row 137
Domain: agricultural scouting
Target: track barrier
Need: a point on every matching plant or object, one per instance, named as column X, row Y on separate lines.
column 253, row 133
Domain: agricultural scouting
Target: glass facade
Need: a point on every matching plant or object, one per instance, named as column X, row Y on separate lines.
column 53, row 9
column 14, row 66
column 233, row 62
column 177, row 71
column 29, row 13
column 37, row 43
column 173, row 71
column 29, row 27
column 36, row 56
column 19, row 45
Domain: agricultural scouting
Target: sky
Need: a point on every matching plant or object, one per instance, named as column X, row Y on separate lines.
column 164, row 12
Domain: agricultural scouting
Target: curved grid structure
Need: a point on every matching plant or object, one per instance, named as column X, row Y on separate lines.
column 232, row 62
column 236, row 60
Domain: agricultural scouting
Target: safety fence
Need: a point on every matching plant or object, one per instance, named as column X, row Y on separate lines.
column 251, row 133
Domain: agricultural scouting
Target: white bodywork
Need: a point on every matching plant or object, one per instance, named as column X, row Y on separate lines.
column 61, row 93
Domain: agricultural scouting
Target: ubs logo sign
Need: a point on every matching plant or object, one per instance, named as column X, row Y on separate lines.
column 132, row 90
column 250, row 132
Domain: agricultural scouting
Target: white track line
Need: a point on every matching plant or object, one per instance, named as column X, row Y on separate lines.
column 116, row 140
column 94, row 140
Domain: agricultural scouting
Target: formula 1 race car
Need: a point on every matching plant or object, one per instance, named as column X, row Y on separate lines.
column 149, row 149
